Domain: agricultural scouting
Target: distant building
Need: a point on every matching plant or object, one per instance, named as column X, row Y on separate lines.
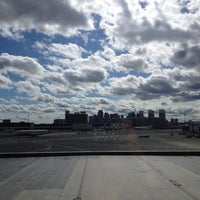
column 174, row 121
column 162, row 114
column 6, row 121
column 151, row 118
column 194, row 129
column 100, row 116
column 106, row 117
column 151, row 114
column 140, row 114
column 114, row 117
column 91, row 119
column 59, row 121
column 131, row 115
column 139, row 119
column 8, row 126
column 78, row 117
column 67, row 112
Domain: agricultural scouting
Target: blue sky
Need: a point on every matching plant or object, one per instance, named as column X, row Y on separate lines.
column 118, row 56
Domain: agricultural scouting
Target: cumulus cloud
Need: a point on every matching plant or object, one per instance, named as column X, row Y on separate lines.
column 129, row 24
column 146, row 54
column 124, row 85
column 69, row 50
column 28, row 88
column 56, row 83
column 156, row 87
column 145, row 32
column 183, row 96
column 49, row 17
column 23, row 66
column 56, row 78
column 132, row 63
column 188, row 57
column 46, row 98
column 5, row 82
column 75, row 81
column 33, row 91
column 187, row 81
column 143, row 89
column 85, row 75
column 98, row 101
column 13, row 108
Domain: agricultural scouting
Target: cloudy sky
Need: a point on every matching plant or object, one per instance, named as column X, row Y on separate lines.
column 116, row 55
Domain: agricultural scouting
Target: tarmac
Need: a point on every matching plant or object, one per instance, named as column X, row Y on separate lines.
column 119, row 140
column 100, row 165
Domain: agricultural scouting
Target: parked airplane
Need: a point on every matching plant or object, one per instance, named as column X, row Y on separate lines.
column 31, row 133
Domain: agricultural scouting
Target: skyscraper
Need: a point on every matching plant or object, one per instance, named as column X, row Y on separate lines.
column 100, row 115
column 140, row 114
column 150, row 114
column 106, row 117
column 162, row 114
column 131, row 115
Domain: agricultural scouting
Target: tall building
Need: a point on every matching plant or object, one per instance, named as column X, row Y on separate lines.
column 140, row 114
column 67, row 112
column 106, row 117
column 150, row 114
column 162, row 114
column 131, row 115
column 100, row 115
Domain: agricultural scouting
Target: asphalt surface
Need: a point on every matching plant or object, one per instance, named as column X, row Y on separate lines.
column 120, row 140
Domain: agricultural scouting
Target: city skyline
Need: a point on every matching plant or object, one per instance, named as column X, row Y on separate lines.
column 67, row 54
column 100, row 114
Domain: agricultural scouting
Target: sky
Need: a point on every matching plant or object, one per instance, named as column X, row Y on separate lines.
column 118, row 56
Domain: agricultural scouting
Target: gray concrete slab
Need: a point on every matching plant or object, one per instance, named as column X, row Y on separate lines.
column 101, row 178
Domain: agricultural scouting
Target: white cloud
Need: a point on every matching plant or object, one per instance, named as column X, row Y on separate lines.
column 67, row 50
column 131, row 62
column 5, row 82
column 128, row 24
column 85, row 75
column 77, row 81
column 49, row 17
column 188, row 57
column 28, row 88
column 46, row 98
column 125, row 85
column 148, row 59
column 22, row 66
column 61, row 50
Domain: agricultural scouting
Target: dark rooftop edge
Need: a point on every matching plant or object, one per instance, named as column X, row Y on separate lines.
column 98, row 153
